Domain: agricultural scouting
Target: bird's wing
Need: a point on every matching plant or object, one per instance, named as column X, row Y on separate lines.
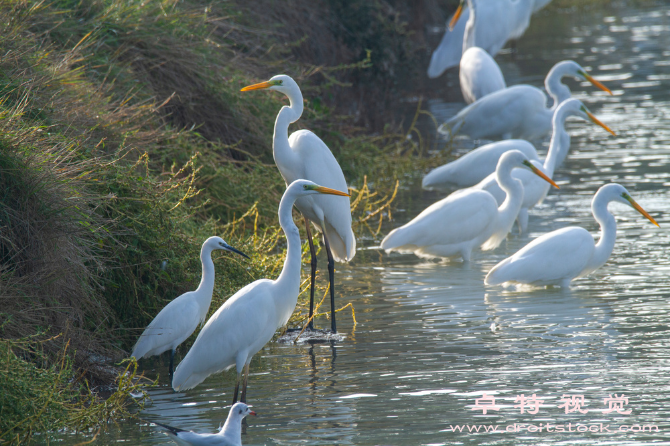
column 331, row 213
column 173, row 324
column 449, row 51
column 457, row 218
column 479, row 75
column 548, row 259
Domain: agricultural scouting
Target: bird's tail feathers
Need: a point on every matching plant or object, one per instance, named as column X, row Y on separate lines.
column 171, row 429
column 450, row 128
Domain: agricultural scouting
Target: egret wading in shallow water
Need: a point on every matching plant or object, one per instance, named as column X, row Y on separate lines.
column 466, row 219
column 519, row 111
column 179, row 319
column 535, row 190
column 479, row 74
column 249, row 319
column 560, row 256
column 304, row 156
column 230, row 433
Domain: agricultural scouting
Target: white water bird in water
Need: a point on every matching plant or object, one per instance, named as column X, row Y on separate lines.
column 476, row 165
column 249, row 319
column 466, row 219
column 535, row 190
column 519, row 111
column 560, row 256
column 230, row 433
column 304, row 155
column 450, row 50
column 179, row 319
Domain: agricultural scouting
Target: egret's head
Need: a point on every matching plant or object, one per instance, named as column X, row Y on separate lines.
column 280, row 82
column 575, row 107
column 579, row 73
column 621, row 195
column 306, row 187
column 240, row 410
column 516, row 158
column 219, row 243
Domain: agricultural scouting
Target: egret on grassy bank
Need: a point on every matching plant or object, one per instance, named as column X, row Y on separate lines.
column 249, row 319
column 466, row 219
column 534, row 190
column 304, row 156
column 179, row 319
column 230, row 433
column 560, row 256
column 519, row 111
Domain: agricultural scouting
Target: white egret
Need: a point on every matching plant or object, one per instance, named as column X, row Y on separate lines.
column 535, row 191
column 497, row 19
column 466, row 219
column 179, row 319
column 476, row 165
column 519, row 111
column 479, row 75
column 230, row 433
column 304, row 156
column 249, row 319
column 560, row 256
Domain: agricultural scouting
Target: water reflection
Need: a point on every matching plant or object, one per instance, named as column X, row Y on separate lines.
column 431, row 338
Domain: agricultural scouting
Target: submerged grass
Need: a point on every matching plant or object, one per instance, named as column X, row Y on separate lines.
column 125, row 143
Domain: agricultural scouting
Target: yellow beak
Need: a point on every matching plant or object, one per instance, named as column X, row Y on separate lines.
column 540, row 174
column 457, row 15
column 259, row 86
column 638, row 208
column 597, row 121
column 327, row 190
column 596, row 83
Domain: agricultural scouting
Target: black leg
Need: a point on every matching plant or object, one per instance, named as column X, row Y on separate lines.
column 244, row 383
column 237, row 389
column 331, row 276
column 172, row 352
column 312, row 252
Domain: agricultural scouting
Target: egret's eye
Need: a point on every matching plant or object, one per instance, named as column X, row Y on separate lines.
column 304, row 186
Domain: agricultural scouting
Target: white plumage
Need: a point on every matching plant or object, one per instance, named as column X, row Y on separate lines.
column 464, row 220
column 560, row 256
column 519, row 111
column 249, row 319
column 179, row 319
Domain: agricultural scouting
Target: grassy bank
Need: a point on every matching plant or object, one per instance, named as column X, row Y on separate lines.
column 125, row 142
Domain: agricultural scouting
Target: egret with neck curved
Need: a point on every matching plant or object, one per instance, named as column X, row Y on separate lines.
column 519, row 111
column 561, row 256
column 230, row 433
column 304, row 155
column 179, row 319
column 249, row 319
column 466, row 219
column 535, row 191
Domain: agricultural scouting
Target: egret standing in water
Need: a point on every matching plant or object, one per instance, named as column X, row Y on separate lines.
column 249, row 319
column 179, row 319
column 466, row 219
column 304, row 156
column 519, row 111
column 534, row 191
column 230, row 433
column 560, row 256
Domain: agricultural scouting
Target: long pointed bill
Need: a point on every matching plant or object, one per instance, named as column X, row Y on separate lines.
column 597, row 121
column 457, row 15
column 231, row 249
column 327, row 190
column 252, row 413
column 259, row 86
column 596, row 83
column 541, row 174
column 638, row 208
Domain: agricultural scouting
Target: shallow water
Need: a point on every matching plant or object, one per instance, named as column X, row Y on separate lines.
column 431, row 338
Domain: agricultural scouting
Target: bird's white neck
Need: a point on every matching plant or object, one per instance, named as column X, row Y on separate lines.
column 607, row 223
column 232, row 428
column 557, row 89
column 560, row 142
column 289, row 279
column 469, row 35
column 513, row 187
column 206, row 287
column 284, row 157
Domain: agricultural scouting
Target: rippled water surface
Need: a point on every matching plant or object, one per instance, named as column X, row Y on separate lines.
column 431, row 338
